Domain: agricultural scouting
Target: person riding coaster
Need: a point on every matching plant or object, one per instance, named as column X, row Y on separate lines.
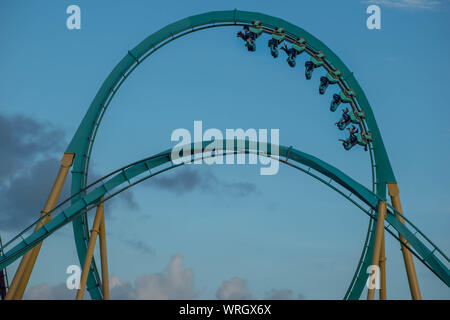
column 330, row 78
column 249, row 38
column 297, row 48
column 345, row 119
column 345, row 96
column 315, row 62
column 251, row 34
column 355, row 138
column 349, row 117
column 292, row 55
column 277, row 39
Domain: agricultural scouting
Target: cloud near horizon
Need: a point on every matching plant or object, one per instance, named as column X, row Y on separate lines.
column 186, row 179
column 174, row 283
column 29, row 153
column 233, row 289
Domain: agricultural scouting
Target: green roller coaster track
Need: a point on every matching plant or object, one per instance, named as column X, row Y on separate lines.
column 86, row 197
column 133, row 174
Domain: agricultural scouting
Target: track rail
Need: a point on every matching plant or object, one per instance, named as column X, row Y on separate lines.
column 142, row 170
column 82, row 142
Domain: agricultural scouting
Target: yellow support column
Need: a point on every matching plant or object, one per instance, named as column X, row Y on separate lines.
column 23, row 273
column 90, row 250
column 104, row 260
column 383, row 269
column 407, row 256
column 378, row 241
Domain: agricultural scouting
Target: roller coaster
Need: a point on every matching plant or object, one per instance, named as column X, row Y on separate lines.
column 372, row 201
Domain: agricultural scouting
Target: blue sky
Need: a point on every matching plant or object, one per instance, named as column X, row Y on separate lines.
column 271, row 233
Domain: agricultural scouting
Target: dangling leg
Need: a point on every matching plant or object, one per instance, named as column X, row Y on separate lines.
column 335, row 102
column 309, row 68
column 323, row 84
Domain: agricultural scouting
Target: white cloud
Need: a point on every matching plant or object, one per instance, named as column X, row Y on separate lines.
column 234, row 289
column 122, row 290
column 418, row 4
column 282, row 294
column 46, row 292
column 279, row 294
column 174, row 283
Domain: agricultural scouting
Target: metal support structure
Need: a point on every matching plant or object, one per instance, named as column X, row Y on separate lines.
column 379, row 233
column 382, row 263
column 83, row 140
column 79, row 152
column 23, row 273
column 99, row 216
column 119, row 180
column 104, row 260
column 407, row 256
column 2, row 285
column 3, row 278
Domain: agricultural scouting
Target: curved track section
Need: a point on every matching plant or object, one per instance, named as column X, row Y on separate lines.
column 82, row 142
column 131, row 175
